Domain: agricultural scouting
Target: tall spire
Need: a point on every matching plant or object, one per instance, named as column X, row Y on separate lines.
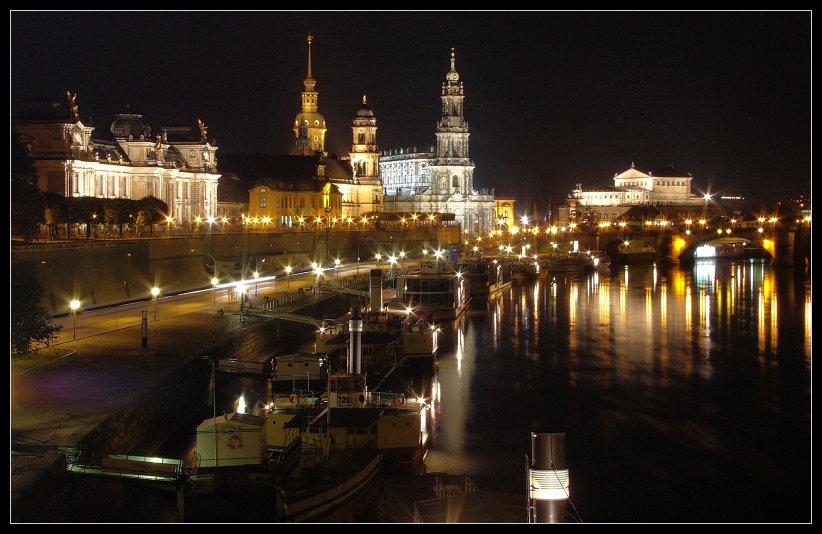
column 453, row 76
column 309, row 81
column 363, row 100
column 311, row 38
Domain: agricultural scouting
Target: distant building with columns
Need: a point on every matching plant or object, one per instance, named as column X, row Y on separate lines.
column 664, row 187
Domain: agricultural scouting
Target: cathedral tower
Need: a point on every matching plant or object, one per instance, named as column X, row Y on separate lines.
column 452, row 171
column 309, row 117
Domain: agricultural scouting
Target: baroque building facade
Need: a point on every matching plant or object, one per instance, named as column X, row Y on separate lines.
column 666, row 187
column 126, row 161
column 442, row 179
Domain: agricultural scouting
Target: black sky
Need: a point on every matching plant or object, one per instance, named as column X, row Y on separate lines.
column 552, row 99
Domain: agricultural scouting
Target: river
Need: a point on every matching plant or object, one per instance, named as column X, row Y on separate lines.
column 684, row 393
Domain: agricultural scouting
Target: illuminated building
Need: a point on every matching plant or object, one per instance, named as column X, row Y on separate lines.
column 441, row 180
column 664, row 187
column 75, row 159
column 361, row 188
column 313, row 138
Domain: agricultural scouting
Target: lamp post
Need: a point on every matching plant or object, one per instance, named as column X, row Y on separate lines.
column 154, row 292
column 337, row 267
column 256, row 277
column 288, row 270
column 402, row 260
column 74, row 305
column 378, row 257
column 214, row 282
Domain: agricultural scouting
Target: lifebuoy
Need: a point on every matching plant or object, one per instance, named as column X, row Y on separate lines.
column 293, row 399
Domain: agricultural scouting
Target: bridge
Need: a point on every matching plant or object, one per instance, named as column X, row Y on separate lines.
column 788, row 242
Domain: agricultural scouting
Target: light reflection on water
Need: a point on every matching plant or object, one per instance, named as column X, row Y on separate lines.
column 684, row 393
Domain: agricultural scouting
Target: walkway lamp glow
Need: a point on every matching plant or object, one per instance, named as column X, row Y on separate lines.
column 74, row 305
column 154, row 292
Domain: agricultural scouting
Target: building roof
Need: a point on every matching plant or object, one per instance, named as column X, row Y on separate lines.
column 252, row 167
column 632, row 173
column 231, row 189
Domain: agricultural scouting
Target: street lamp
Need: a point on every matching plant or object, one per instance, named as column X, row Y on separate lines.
column 256, row 276
column 402, row 259
column 154, row 292
column 288, row 270
column 378, row 257
column 74, row 305
column 214, row 282
column 336, row 267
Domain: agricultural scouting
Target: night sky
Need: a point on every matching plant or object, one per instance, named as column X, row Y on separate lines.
column 552, row 99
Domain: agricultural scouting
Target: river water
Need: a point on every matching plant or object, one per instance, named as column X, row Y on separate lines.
column 684, row 393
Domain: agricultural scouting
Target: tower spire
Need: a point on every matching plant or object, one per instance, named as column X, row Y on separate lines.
column 310, row 38
column 363, row 100
column 453, row 60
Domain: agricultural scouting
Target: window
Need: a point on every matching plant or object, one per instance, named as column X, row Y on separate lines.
column 263, row 201
column 361, row 139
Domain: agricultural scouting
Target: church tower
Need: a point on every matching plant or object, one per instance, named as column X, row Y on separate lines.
column 365, row 161
column 365, row 157
column 452, row 170
column 309, row 117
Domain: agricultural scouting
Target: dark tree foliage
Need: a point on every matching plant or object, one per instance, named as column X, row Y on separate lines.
column 27, row 207
column 30, row 322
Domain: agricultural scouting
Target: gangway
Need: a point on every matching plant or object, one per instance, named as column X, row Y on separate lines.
column 326, row 286
column 288, row 316
column 127, row 466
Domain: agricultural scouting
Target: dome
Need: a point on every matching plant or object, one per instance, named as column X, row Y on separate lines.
column 129, row 124
column 315, row 119
column 365, row 111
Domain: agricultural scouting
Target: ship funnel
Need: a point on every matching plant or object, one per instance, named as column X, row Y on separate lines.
column 548, row 482
column 375, row 291
column 355, row 342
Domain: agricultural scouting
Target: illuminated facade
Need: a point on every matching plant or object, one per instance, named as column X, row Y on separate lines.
column 286, row 203
column 441, row 180
column 505, row 212
column 665, row 187
column 124, row 162
column 364, row 195
column 312, row 139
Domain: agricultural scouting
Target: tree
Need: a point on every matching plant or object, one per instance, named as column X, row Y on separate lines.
column 56, row 211
column 86, row 210
column 26, row 200
column 151, row 210
column 30, row 321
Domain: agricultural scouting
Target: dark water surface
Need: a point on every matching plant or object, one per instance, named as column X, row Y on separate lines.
column 684, row 392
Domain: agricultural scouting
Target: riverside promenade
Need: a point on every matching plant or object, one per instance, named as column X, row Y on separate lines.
column 106, row 392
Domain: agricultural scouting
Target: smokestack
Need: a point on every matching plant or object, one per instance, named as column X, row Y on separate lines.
column 375, row 291
column 355, row 342
column 549, row 485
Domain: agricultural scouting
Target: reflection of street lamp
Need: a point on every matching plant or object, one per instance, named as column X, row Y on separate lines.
column 74, row 305
column 154, row 292
column 214, row 282
column 288, row 269
column 256, row 276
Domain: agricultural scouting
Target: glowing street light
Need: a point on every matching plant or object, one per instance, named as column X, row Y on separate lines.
column 256, row 277
column 214, row 283
column 337, row 262
column 154, row 292
column 288, row 270
column 378, row 257
column 74, row 305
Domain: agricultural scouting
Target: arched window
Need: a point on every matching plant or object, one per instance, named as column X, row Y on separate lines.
column 455, row 181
